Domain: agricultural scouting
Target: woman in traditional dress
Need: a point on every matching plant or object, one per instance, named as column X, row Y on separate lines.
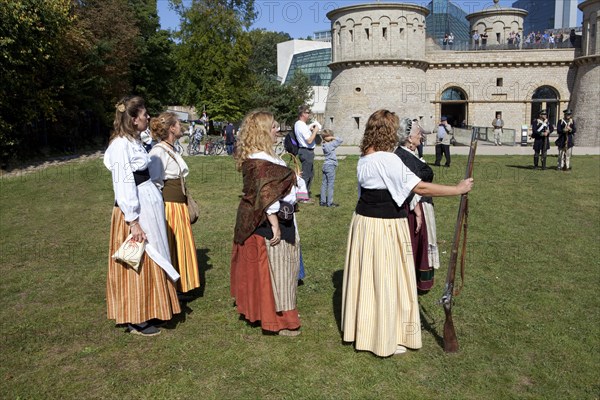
column 137, row 297
column 265, row 258
column 380, row 311
column 168, row 171
column 421, row 217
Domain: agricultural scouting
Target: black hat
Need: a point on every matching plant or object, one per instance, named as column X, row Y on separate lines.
column 568, row 111
column 543, row 112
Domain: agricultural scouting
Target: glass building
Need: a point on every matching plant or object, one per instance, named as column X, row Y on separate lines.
column 445, row 17
column 548, row 14
column 314, row 64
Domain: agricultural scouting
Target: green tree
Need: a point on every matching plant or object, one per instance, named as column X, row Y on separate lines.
column 31, row 35
column 282, row 100
column 263, row 60
column 212, row 55
column 153, row 69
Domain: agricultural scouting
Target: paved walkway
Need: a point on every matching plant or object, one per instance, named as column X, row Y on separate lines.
column 483, row 149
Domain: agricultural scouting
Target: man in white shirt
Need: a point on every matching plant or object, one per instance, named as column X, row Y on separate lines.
column 306, row 142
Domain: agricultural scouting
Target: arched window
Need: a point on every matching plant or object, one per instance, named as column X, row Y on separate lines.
column 545, row 98
column 453, row 93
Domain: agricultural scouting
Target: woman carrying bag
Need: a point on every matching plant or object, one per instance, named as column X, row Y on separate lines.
column 168, row 171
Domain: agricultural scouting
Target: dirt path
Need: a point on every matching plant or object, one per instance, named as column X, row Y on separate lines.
column 40, row 165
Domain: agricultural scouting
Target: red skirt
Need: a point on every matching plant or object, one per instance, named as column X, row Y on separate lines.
column 420, row 244
column 251, row 287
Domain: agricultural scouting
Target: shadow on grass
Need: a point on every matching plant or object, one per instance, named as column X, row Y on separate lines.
column 428, row 324
column 531, row 167
column 337, row 279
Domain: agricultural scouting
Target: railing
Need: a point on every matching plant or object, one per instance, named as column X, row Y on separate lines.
column 485, row 134
column 471, row 46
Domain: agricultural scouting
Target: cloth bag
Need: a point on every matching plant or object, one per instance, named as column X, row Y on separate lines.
column 130, row 252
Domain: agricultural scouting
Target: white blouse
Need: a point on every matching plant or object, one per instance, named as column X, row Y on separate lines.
column 291, row 196
column 385, row 170
column 163, row 167
column 122, row 157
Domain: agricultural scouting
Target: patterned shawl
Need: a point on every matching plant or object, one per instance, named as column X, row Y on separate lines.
column 264, row 183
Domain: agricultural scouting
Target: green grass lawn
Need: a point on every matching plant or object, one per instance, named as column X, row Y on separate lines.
column 527, row 320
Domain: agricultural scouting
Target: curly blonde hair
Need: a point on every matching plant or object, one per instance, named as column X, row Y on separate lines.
column 381, row 132
column 159, row 126
column 127, row 109
column 254, row 136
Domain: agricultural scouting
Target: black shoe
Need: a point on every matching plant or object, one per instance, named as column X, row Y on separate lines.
column 447, row 166
column 333, row 205
column 436, row 165
column 143, row 329
column 323, row 204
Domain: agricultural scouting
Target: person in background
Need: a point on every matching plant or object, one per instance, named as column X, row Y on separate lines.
column 541, row 130
column 137, row 298
column 330, row 143
column 380, row 311
column 168, row 171
column 566, row 140
column 498, row 124
column 229, row 138
column 306, row 136
column 265, row 259
column 442, row 145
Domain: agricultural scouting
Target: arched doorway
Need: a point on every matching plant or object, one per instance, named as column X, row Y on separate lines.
column 545, row 98
column 454, row 106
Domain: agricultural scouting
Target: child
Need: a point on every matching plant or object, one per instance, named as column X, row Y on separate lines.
column 330, row 143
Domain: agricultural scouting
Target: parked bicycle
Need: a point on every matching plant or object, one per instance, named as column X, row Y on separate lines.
column 214, row 147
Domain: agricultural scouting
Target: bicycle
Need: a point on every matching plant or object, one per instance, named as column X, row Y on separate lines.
column 214, row 147
column 194, row 144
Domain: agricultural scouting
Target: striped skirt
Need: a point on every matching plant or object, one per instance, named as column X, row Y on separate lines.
column 380, row 309
column 182, row 246
column 252, row 284
column 135, row 297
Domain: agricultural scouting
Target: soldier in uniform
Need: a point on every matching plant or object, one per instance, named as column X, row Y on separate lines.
column 542, row 129
column 566, row 130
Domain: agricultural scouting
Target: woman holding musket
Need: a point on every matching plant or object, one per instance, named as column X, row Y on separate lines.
column 168, row 171
column 380, row 311
column 265, row 259
column 421, row 216
column 137, row 297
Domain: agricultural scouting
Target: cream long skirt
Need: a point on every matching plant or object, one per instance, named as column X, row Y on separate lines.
column 380, row 309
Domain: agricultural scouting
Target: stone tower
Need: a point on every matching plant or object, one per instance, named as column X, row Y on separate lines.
column 378, row 55
column 585, row 98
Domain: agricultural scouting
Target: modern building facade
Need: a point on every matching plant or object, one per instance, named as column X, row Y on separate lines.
column 548, row 14
column 381, row 58
column 445, row 18
column 312, row 58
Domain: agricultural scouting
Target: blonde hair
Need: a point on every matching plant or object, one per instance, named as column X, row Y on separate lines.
column 127, row 109
column 159, row 126
column 381, row 132
column 255, row 136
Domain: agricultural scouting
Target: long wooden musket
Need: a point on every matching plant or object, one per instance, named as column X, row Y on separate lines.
column 450, row 340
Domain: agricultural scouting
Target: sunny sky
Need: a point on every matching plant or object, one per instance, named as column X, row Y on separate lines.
column 300, row 18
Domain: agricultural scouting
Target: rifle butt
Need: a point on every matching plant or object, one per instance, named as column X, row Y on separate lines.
column 450, row 339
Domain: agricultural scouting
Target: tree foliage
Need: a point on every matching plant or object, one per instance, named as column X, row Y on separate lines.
column 263, row 60
column 212, row 55
column 31, row 36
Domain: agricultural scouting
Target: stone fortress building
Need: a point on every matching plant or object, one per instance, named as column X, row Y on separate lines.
column 381, row 58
